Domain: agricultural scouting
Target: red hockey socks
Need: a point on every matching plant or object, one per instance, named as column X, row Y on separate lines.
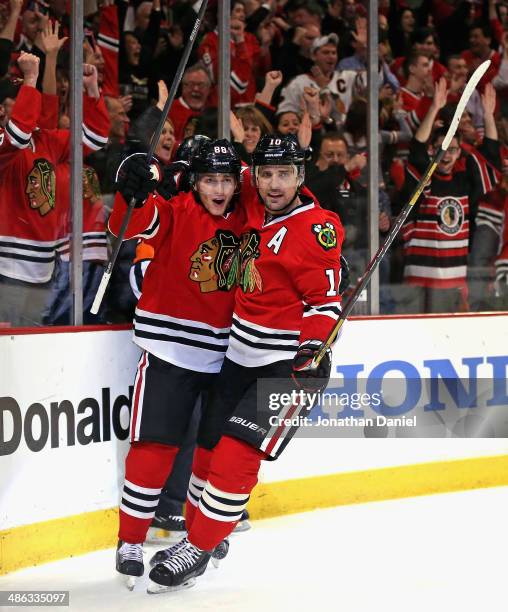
column 147, row 467
column 233, row 474
column 197, row 482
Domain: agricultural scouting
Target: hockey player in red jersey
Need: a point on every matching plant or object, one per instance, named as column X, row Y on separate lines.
column 182, row 321
column 286, row 304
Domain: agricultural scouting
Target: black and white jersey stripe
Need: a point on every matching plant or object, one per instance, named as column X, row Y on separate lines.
column 140, row 502
column 491, row 218
column 108, row 42
column 136, row 276
column 31, row 261
column 254, row 345
column 153, row 228
column 95, row 247
column 332, row 309
column 93, row 140
column 501, row 268
column 17, row 137
column 221, row 505
column 188, row 344
column 237, row 84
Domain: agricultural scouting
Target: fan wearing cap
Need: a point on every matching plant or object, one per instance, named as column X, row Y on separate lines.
column 322, row 75
column 287, row 301
column 182, row 319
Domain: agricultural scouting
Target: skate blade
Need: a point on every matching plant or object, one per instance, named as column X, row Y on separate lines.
column 130, row 582
column 243, row 526
column 156, row 536
column 154, row 588
column 215, row 562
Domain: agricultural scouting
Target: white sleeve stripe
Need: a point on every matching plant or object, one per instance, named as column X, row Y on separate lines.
column 240, row 90
column 90, row 143
column 485, row 223
column 238, row 80
column 153, row 227
column 17, row 132
column 16, row 142
column 237, row 84
column 488, row 212
column 109, row 39
column 107, row 45
column 91, row 135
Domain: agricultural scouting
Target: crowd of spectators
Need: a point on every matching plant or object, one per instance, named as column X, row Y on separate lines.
column 298, row 67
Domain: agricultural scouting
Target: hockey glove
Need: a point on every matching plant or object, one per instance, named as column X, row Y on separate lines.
column 134, row 179
column 172, row 178
column 304, row 375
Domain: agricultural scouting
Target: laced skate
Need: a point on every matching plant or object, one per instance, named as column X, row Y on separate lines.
column 180, row 570
column 129, row 562
column 166, row 528
column 163, row 555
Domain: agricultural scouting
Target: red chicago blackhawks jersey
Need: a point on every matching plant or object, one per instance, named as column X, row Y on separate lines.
column 33, row 211
column 184, row 313
column 437, row 233
column 94, row 237
column 289, row 279
column 180, row 114
column 243, row 56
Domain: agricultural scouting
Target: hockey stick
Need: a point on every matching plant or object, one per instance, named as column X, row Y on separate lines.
column 464, row 99
column 153, row 145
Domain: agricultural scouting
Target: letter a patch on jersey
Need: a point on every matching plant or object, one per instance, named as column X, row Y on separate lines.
column 326, row 235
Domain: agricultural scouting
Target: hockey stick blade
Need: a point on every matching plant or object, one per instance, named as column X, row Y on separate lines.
column 399, row 221
column 153, row 145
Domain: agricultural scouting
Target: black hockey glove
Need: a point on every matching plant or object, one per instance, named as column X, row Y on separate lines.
column 134, row 179
column 304, row 376
column 345, row 277
column 172, row 176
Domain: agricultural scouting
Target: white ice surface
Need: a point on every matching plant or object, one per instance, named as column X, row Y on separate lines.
column 430, row 554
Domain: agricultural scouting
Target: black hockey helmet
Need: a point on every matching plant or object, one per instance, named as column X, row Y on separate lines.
column 189, row 147
column 216, row 156
column 278, row 150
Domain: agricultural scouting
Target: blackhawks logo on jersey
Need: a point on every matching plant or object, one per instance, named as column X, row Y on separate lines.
column 40, row 186
column 214, row 264
column 326, row 235
column 249, row 277
column 450, row 216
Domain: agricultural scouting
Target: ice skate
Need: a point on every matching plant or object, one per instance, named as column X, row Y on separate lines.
column 243, row 524
column 166, row 528
column 180, row 570
column 164, row 554
column 129, row 562
column 220, row 552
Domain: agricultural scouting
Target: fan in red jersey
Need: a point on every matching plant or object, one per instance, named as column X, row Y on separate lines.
column 286, row 304
column 34, row 202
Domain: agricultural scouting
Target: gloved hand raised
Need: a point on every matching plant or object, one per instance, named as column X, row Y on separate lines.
column 134, row 179
column 172, row 176
column 305, row 377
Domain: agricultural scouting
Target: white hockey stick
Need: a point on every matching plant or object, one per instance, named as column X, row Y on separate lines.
column 399, row 221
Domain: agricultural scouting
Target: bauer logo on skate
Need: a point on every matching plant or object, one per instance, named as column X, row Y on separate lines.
column 62, row 423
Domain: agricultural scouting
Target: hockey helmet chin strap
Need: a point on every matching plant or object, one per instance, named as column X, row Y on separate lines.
column 281, row 211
